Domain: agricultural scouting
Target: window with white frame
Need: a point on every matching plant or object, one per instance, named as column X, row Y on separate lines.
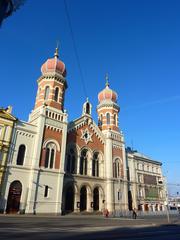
column 140, row 192
column 0, row 156
column 108, row 118
column 95, row 165
column 137, row 166
column 139, row 178
column 6, row 134
column 116, row 168
column 1, row 128
column 83, row 162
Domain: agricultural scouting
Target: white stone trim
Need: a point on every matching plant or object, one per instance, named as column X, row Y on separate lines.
column 47, row 141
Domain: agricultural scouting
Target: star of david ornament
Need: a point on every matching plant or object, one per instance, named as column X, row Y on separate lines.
column 86, row 136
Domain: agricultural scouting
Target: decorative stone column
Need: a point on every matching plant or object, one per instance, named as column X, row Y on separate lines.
column 89, row 208
column 76, row 202
column 78, row 164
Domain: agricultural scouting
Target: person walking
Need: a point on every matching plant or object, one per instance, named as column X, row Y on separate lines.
column 106, row 213
column 134, row 214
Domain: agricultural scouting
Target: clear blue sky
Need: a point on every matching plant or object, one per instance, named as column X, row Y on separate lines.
column 136, row 42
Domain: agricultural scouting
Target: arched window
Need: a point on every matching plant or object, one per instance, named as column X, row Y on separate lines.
column 56, row 94
column 50, row 155
column 116, row 168
column 100, row 120
column 107, row 118
column 71, row 161
column 21, row 154
column 83, row 162
column 95, row 165
column 87, row 108
column 115, row 119
column 46, row 95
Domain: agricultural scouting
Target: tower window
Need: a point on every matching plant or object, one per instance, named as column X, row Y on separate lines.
column 46, row 95
column 21, row 154
column 116, row 168
column 95, row 165
column 115, row 119
column 50, row 155
column 108, row 118
column 56, row 94
column 87, row 108
column 100, row 120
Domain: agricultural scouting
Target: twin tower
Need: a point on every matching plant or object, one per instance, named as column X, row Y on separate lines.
column 56, row 166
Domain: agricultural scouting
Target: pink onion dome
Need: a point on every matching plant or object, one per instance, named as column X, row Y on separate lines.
column 54, row 65
column 107, row 94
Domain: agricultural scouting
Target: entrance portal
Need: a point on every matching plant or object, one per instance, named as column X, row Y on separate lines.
column 69, row 200
column 96, row 199
column 14, row 197
column 83, row 199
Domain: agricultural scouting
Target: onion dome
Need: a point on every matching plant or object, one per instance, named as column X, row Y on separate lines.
column 107, row 94
column 54, row 65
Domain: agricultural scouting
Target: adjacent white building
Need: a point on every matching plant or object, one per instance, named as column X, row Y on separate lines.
column 147, row 189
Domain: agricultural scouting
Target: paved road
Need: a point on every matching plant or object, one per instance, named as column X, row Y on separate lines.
column 87, row 227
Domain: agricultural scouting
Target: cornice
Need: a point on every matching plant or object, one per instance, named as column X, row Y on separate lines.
column 108, row 104
column 54, row 76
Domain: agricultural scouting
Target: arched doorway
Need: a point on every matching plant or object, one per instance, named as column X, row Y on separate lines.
column 83, row 198
column 14, row 197
column 96, row 199
column 69, row 200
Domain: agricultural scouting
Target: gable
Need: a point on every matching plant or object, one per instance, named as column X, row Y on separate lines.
column 85, row 133
column 4, row 114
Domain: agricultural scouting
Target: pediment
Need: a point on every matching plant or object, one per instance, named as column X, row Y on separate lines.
column 4, row 114
column 88, row 130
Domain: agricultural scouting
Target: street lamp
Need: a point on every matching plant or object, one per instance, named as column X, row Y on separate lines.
column 7, row 7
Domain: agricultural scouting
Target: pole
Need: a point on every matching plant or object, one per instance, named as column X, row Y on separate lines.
column 167, row 211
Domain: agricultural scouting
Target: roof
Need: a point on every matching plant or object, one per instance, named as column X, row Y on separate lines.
column 140, row 156
column 7, row 115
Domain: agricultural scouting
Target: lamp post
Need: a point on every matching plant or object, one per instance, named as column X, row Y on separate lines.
column 119, row 196
column 7, row 7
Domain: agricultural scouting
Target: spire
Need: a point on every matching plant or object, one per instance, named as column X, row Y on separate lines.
column 107, row 80
column 87, row 107
column 56, row 54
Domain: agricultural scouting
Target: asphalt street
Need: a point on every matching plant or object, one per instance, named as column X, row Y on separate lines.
column 87, row 227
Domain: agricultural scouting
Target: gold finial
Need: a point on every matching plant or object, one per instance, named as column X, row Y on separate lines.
column 56, row 54
column 107, row 80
